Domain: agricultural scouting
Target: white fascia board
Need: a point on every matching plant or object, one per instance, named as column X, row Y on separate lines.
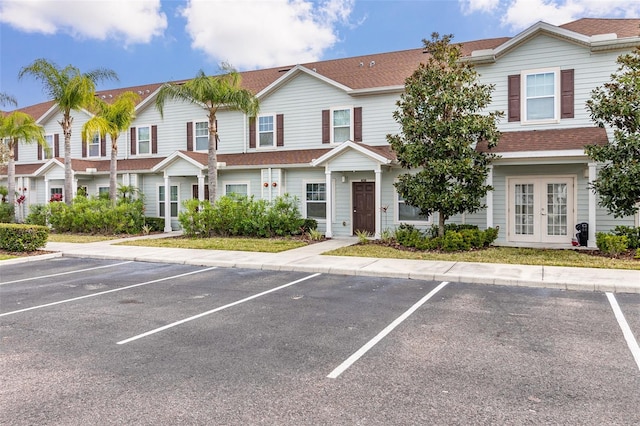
column 376, row 90
column 349, row 145
column 619, row 43
column 147, row 100
column 547, row 157
column 540, row 27
column 47, row 114
column 174, row 157
column 48, row 165
column 295, row 71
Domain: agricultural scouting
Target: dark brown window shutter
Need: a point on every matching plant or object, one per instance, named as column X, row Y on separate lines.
column 190, row 137
column 103, row 146
column 39, row 152
column 280, row 130
column 566, row 94
column 84, row 149
column 514, row 97
column 133, row 141
column 357, row 124
column 326, row 127
column 154, row 139
column 56, row 145
column 15, row 150
column 252, row 132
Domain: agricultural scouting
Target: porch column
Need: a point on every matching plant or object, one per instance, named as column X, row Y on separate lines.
column 328, row 232
column 47, row 190
column 591, row 242
column 167, row 204
column 378, row 213
column 201, row 187
column 490, row 199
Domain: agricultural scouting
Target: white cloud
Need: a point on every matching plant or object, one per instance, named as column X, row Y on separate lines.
column 265, row 33
column 520, row 14
column 132, row 21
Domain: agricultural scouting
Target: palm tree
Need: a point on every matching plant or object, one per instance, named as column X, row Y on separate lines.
column 71, row 90
column 16, row 127
column 6, row 99
column 211, row 93
column 111, row 119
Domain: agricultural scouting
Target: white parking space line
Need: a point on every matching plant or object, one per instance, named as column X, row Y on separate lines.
column 106, row 292
column 212, row 311
column 66, row 273
column 371, row 343
column 626, row 330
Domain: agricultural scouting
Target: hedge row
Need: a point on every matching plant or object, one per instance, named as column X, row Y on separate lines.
column 17, row 238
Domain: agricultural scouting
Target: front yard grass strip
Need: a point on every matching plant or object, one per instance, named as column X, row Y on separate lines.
column 262, row 245
column 6, row 256
column 79, row 238
column 508, row 255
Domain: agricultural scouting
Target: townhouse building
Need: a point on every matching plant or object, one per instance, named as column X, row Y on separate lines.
column 321, row 133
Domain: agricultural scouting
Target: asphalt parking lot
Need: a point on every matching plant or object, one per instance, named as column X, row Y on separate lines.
column 110, row 342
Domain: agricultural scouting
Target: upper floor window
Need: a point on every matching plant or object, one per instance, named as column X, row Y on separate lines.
column 266, row 131
column 94, row 146
column 341, row 126
column 144, row 140
column 540, row 96
column 202, row 135
column 47, row 152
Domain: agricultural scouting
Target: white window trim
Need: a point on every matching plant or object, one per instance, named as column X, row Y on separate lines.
column 275, row 131
column 138, row 140
column 158, row 201
column 396, row 213
column 195, row 136
column 331, row 128
column 523, row 95
column 247, row 183
column 90, row 144
column 51, row 146
column 303, row 198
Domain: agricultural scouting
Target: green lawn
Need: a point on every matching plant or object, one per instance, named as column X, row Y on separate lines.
column 264, row 245
column 79, row 238
column 6, row 256
column 509, row 255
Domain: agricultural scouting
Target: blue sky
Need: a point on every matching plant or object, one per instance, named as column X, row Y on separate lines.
column 153, row 41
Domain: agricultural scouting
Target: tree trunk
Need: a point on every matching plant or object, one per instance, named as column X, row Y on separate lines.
column 113, row 170
column 11, row 174
column 213, row 159
column 66, row 122
column 441, row 219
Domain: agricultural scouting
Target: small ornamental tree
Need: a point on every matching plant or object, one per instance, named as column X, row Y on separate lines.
column 617, row 104
column 441, row 122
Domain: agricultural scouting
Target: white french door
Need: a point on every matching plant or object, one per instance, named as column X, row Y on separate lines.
column 541, row 209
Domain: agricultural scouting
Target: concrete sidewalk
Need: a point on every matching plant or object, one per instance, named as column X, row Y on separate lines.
column 310, row 259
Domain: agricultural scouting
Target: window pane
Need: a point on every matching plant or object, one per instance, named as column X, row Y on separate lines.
column 48, row 153
column 174, row 193
column 540, row 108
column 265, row 124
column 409, row 213
column 315, row 199
column 143, row 140
column 237, row 188
column 317, row 210
column 342, row 117
column 202, row 136
column 143, row 147
column 266, row 139
column 341, row 134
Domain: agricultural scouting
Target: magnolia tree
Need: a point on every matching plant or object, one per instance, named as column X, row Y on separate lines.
column 442, row 121
column 617, row 104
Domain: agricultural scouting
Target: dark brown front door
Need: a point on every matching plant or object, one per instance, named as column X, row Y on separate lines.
column 194, row 191
column 364, row 207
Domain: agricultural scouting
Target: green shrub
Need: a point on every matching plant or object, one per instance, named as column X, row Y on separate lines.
column 490, row 235
column 7, row 213
column 97, row 216
column 309, row 224
column 243, row 216
column 409, row 236
column 19, row 238
column 155, row 224
column 632, row 234
column 453, row 241
column 38, row 214
column 610, row 244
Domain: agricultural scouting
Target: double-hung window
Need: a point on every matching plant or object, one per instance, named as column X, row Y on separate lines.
column 316, row 200
column 202, row 135
column 94, row 146
column 144, row 140
column 409, row 214
column 266, row 131
column 47, row 152
column 173, row 200
column 341, row 125
column 541, row 95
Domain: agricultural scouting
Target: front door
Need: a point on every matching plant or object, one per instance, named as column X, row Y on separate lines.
column 364, row 207
column 541, row 210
